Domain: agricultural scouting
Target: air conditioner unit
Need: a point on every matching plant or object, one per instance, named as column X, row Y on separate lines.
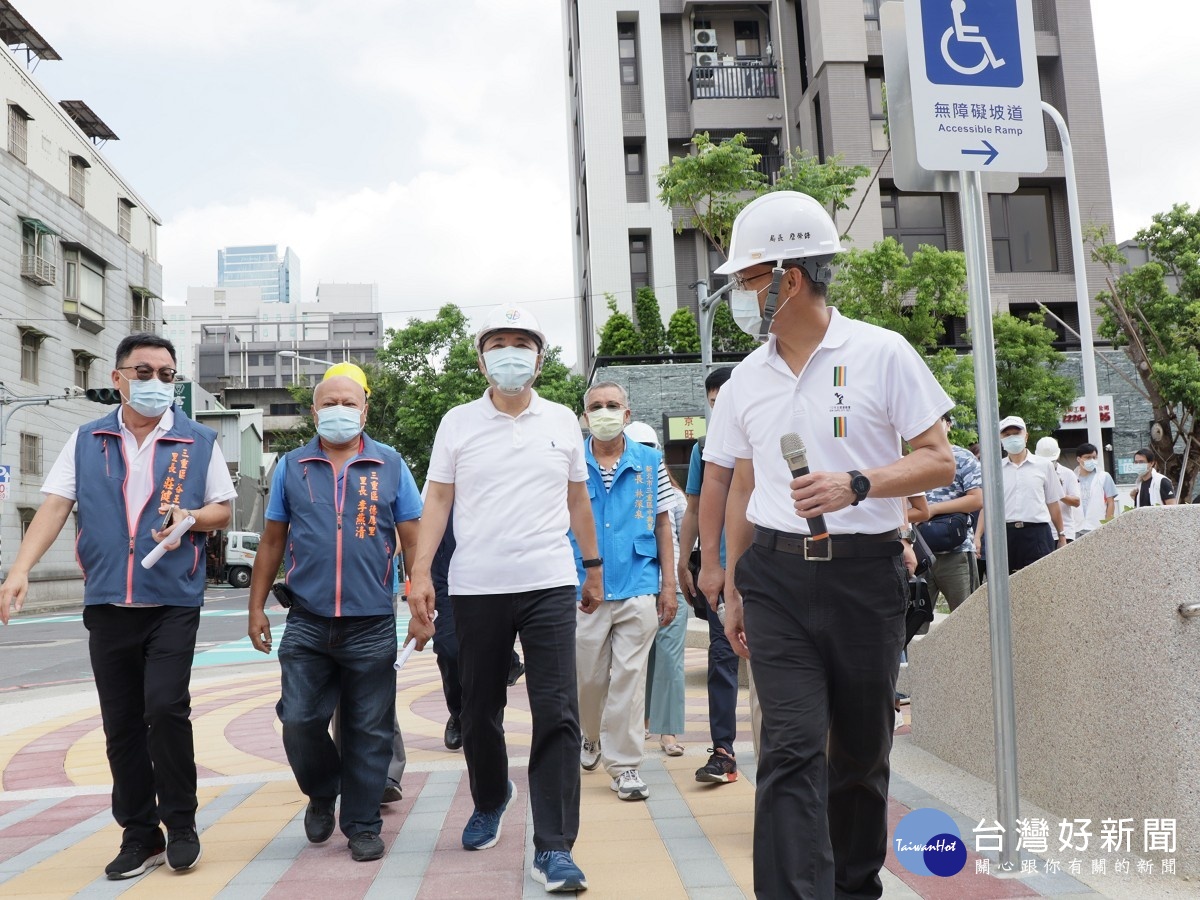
column 704, row 37
column 707, row 59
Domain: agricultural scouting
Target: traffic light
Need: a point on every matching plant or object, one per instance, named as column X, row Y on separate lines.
column 103, row 395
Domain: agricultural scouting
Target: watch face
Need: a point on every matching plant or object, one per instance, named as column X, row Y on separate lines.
column 860, row 484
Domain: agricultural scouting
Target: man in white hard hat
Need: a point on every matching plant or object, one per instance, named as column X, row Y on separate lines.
column 1047, row 448
column 511, row 467
column 821, row 621
column 1032, row 515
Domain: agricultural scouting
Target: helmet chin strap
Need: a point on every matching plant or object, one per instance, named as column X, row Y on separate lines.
column 768, row 314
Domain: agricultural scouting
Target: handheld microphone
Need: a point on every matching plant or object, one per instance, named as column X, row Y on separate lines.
column 794, row 454
column 176, row 533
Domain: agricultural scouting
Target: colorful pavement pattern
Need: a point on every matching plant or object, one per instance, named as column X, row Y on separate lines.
column 687, row 841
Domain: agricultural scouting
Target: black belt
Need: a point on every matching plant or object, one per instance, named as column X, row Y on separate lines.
column 1026, row 524
column 836, row 546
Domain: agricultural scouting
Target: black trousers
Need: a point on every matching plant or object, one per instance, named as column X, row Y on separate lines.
column 142, row 663
column 445, row 648
column 1028, row 544
column 824, row 638
column 487, row 626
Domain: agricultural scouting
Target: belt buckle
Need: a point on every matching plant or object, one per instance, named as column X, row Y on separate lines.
column 1018, row 524
column 809, row 543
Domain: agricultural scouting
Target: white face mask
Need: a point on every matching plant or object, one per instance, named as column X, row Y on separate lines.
column 511, row 369
column 744, row 306
column 606, row 424
column 1013, row 444
column 1089, row 465
column 1138, row 468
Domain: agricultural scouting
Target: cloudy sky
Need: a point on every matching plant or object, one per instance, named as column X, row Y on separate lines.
column 422, row 146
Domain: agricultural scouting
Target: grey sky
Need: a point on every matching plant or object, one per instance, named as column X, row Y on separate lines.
column 422, row 146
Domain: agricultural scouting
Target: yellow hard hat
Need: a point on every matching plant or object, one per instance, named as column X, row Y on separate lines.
column 351, row 371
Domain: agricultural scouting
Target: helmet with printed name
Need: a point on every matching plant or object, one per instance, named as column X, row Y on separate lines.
column 510, row 318
column 783, row 225
column 351, row 371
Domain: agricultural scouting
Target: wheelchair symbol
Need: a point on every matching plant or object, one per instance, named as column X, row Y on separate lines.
column 967, row 34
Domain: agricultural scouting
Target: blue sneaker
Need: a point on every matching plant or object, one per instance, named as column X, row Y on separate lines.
column 557, row 871
column 483, row 828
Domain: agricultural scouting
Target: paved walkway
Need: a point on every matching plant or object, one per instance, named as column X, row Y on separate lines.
column 687, row 841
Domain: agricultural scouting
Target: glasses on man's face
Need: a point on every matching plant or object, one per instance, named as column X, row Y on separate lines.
column 145, row 373
column 612, row 405
column 741, row 280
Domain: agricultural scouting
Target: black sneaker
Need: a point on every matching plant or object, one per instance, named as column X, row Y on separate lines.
column 318, row 820
column 134, row 859
column 721, row 768
column 392, row 792
column 183, row 849
column 515, row 670
column 366, row 846
column 452, row 737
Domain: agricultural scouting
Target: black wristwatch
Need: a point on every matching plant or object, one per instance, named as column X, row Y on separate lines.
column 860, row 484
column 593, row 563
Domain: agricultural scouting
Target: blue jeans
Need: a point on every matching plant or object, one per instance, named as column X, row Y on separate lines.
column 325, row 662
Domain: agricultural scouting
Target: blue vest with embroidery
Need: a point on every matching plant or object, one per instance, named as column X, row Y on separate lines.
column 342, row 533
column 625, row 518
column 108, row 554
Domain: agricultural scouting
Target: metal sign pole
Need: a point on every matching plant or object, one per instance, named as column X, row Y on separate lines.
column 995, row 534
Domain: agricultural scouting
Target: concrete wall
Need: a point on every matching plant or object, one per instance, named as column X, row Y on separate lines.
column 1105, row 673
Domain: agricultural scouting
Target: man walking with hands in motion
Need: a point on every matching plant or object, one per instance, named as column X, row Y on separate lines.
column 511, row 467
column 822, row 621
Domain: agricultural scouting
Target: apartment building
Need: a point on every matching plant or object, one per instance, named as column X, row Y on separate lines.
column 645, row 75
column 78, row 271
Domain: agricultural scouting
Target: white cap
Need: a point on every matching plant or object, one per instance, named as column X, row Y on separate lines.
column 1047, row 447
column 641, row 433
column 509, row 318
column 1011, row 421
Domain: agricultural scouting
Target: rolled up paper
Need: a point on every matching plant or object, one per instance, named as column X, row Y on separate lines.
column 176, row 533
column 408, row 649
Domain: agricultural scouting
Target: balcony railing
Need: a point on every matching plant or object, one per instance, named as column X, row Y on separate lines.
column 769, row 164
column 38, row 270
column 751, row 81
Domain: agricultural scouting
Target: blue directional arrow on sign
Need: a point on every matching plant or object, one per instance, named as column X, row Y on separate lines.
column 991, row 153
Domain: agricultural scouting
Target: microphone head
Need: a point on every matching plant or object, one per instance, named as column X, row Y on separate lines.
column 792, row 448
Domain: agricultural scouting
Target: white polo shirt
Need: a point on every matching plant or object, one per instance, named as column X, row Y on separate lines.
column 863, row 389
column 1071, row 515
column 510, row 479
column 1028, row 487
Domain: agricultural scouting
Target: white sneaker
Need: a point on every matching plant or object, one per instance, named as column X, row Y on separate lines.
column 589, row 756
column 629, row 785
column 899, row 720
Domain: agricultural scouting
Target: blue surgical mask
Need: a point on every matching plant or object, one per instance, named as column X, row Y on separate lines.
column 339, row 424
column 1089, row 465
column 1138, row 468
column 150, row 398
column 511, row 369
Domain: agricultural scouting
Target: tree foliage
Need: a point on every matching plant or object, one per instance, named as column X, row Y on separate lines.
column 1028, row 383
column 426, row 369
column 911, row 296
column 619, row 336
column 683, row 332
column 712, row 184
column 1160, row 330
column 649, row 322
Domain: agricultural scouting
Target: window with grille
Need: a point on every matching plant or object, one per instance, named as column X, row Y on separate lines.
column 78, row 166
column 31, row 351
column 83, row 367
column 18, row 132
column 31, row 454
column 124, row 219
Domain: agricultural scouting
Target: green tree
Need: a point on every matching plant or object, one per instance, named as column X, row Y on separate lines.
column 426, row 369
column 912, row 296
column 649, row 322
column 683, row 333
column 1028, row 383
column 1158, row 324
column 619, row 336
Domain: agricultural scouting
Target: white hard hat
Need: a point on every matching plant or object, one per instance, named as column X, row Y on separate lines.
column 509, row 318
column 641, row 433
column 783, row 225
column 1047, row 447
